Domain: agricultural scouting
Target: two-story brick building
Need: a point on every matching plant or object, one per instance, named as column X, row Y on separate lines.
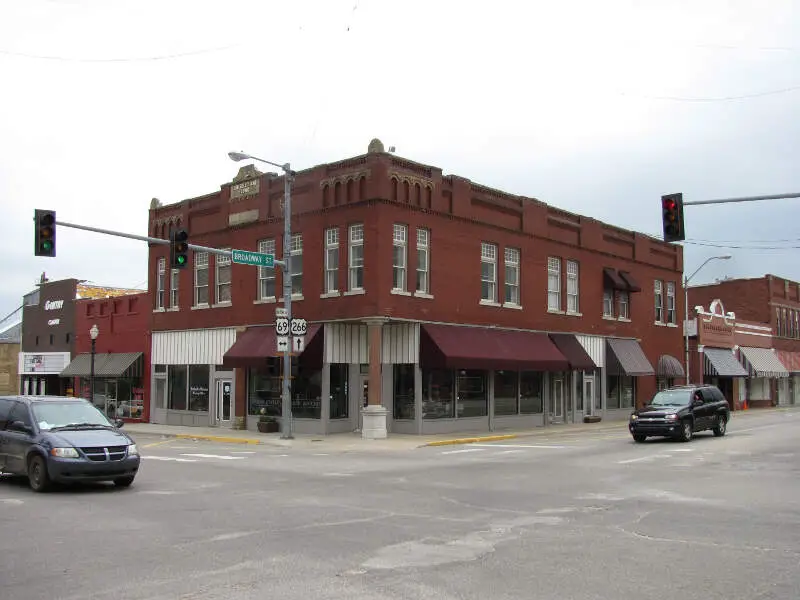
column 452, row 305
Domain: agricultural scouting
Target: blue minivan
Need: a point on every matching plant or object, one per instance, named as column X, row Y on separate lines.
column 60, row 439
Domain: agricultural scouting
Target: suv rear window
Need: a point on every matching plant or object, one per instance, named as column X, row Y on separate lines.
column 671, row 398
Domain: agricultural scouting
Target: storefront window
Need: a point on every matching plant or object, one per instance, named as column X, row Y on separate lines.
column 506, row 392
column 339, row 373
column 307, row 394
column 620, row 392
column 438, row 394
column 176, row 376
column 531, row 387
column 473, row 401
column 264, row 390
column 404, row 391
column 198, row 388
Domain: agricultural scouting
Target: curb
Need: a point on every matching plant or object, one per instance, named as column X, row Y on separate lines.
column 209, row 438
column 472, row 440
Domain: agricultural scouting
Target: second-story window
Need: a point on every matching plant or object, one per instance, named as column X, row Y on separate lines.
column 573, row 287
column 672, row 318
column 399, row 255
column 488, row 272
column 161, row 282
column 201, row 278
column 356, row 257
column 658, row 292
column 297, row 264
column 222, row 278
column 553, row 283
column 511, row 256
column 266, row 276
column 423, row 261
column 331, row 260
column 608, row 302
column 623, row 299
column 174, row 282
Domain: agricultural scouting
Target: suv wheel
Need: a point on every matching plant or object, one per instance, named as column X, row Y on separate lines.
column 639, row 438
column 721, row 427
column 687, row 430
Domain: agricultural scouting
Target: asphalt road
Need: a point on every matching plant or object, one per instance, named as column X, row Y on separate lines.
column 561, row 516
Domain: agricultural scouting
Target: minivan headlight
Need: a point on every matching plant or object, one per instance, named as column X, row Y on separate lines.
column 133, row 450
column 64, row 452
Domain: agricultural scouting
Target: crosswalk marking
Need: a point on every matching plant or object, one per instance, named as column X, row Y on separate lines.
column 220, row 456
column 462, row 451
column 171, row 458
column 519, row 446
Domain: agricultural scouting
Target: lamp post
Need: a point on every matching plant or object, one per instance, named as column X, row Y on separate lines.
column 286, row 389
column 93, row 333
column 686, row 281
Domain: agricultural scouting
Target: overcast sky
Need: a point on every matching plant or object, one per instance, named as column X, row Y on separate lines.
column 595, row 107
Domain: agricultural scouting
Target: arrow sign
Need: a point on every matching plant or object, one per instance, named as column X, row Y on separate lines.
column 298, row 344
column 283, row 343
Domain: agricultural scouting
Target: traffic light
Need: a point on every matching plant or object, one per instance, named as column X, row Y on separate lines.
column 672, row 217
column 178, row 248
column 45, row 232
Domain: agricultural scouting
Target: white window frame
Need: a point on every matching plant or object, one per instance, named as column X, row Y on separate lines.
column 296, row 250
column 161, row 283
column 489, row 257
column 222, row 262
column 331, row 284
column 200, row 264
column 355, row 266
column 265, row 274
column 553, row 284
column 511, row 260
column 399, row 257
column 174, row 287
column 658, row 293
column 608, row 302
column 573, row 287
column 423, row 261
column 672, row 315
column 624, row 304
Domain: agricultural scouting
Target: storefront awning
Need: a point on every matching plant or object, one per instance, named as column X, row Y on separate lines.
column 253, row 347
column 611, row 279
column 627, row 358
column 630, row 281
column 763, row 362
column 669, row 366
column 115, row 364
column 790, row 360
column 573, row 351
column 458, row 347
column 721, row 362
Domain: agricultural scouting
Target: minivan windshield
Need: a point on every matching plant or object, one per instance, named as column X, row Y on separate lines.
column 671, row 398
column 53, row 415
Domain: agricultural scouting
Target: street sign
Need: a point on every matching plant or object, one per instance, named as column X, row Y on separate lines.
column 282, row 326
column 299, row 326
column 259, row 259
column 281, row 312
column 298, row 344
column 283, row 343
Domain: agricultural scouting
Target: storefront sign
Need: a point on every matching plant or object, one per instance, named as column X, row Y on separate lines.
column 54, row 305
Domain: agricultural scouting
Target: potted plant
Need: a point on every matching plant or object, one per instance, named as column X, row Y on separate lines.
column 267, row 423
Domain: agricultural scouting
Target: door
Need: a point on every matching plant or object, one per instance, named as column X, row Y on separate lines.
column 224, row 401
column 588, row 395
column 363, row 397
column 16, row 440
column 557, row 401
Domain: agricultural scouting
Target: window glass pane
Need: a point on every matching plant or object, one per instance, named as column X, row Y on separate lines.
column 612, row 392
column 472, row 397
column 530, row 393
column 264, row 389
column 198, row 388
column 505, row 392
column 339, row 373
column 177, row 386
column 403, row 391
column 438, row 394
column 307, row 393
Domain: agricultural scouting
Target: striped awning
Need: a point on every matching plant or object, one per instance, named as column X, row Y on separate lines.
column 762, row 362
column 627, row 358
column 112, row 364
column 790, row 360
column 721, row 362
column 669, row 366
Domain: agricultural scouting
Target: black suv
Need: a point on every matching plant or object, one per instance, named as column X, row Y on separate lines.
column 53, row 438
column 681, row 411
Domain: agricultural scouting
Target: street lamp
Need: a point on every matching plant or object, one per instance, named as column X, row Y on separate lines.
column 93, row 333
column 286, row 389
column 686, row 281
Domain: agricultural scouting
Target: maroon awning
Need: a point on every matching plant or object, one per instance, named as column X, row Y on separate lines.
column 253, row 347
column 573, row 351
column 454, row 347
column 611, row 279
column 630, row 281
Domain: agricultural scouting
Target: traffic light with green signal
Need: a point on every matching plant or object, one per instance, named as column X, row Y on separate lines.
column 672, row 217
column 45, row 232
column 179, row 248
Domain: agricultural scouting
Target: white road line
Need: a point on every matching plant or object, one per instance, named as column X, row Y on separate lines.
column 463, row 451
column 220, row 456
column 642, row 458
column 517, row 446
column 242, row 452
column 172, row 458
column 321, row 454
column 681, row 449
column 510, row 452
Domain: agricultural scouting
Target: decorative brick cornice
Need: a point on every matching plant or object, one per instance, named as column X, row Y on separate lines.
column 411, row 179
column 343, row 179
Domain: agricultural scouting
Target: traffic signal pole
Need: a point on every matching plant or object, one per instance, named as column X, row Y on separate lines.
column 744, row 199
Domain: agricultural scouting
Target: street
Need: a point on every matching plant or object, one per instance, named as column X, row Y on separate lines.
column 552, row 516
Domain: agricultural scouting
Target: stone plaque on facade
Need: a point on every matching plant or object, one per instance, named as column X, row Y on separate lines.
column 244, row 189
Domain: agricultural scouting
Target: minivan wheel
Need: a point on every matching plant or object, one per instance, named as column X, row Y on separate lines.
column 721, row 427
column 123, row 482
column 37, row 474
column 687, row 430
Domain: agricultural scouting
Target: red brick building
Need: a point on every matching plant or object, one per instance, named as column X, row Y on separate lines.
column 453, row 305
column 122, row 354
column 770, row 307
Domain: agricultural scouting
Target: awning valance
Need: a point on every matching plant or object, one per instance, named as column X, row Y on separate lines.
column 253, row 347
column 626, row 357
column 116, row 364
column 721, row 362
column 669, row 366
column 454, row 347
column 763, row 362
column 573, row 351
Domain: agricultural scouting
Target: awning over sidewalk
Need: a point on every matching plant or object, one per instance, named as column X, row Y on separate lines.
column 453, row 347
column 790, row 360
column 669, row 366
column 253, row 347
column 721, row 362
column 762, row 362
column 105, row 365
column 626, row 357
column 573, row 351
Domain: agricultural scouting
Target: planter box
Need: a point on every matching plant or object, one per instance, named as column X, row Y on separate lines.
column 269, row 426
column 592, row 419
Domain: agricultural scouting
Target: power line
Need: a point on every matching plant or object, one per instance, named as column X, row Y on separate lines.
column 740, row 247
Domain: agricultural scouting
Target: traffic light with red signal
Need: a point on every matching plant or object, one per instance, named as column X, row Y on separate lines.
column 672, row 217
column 178, row 249
column 45, row 232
